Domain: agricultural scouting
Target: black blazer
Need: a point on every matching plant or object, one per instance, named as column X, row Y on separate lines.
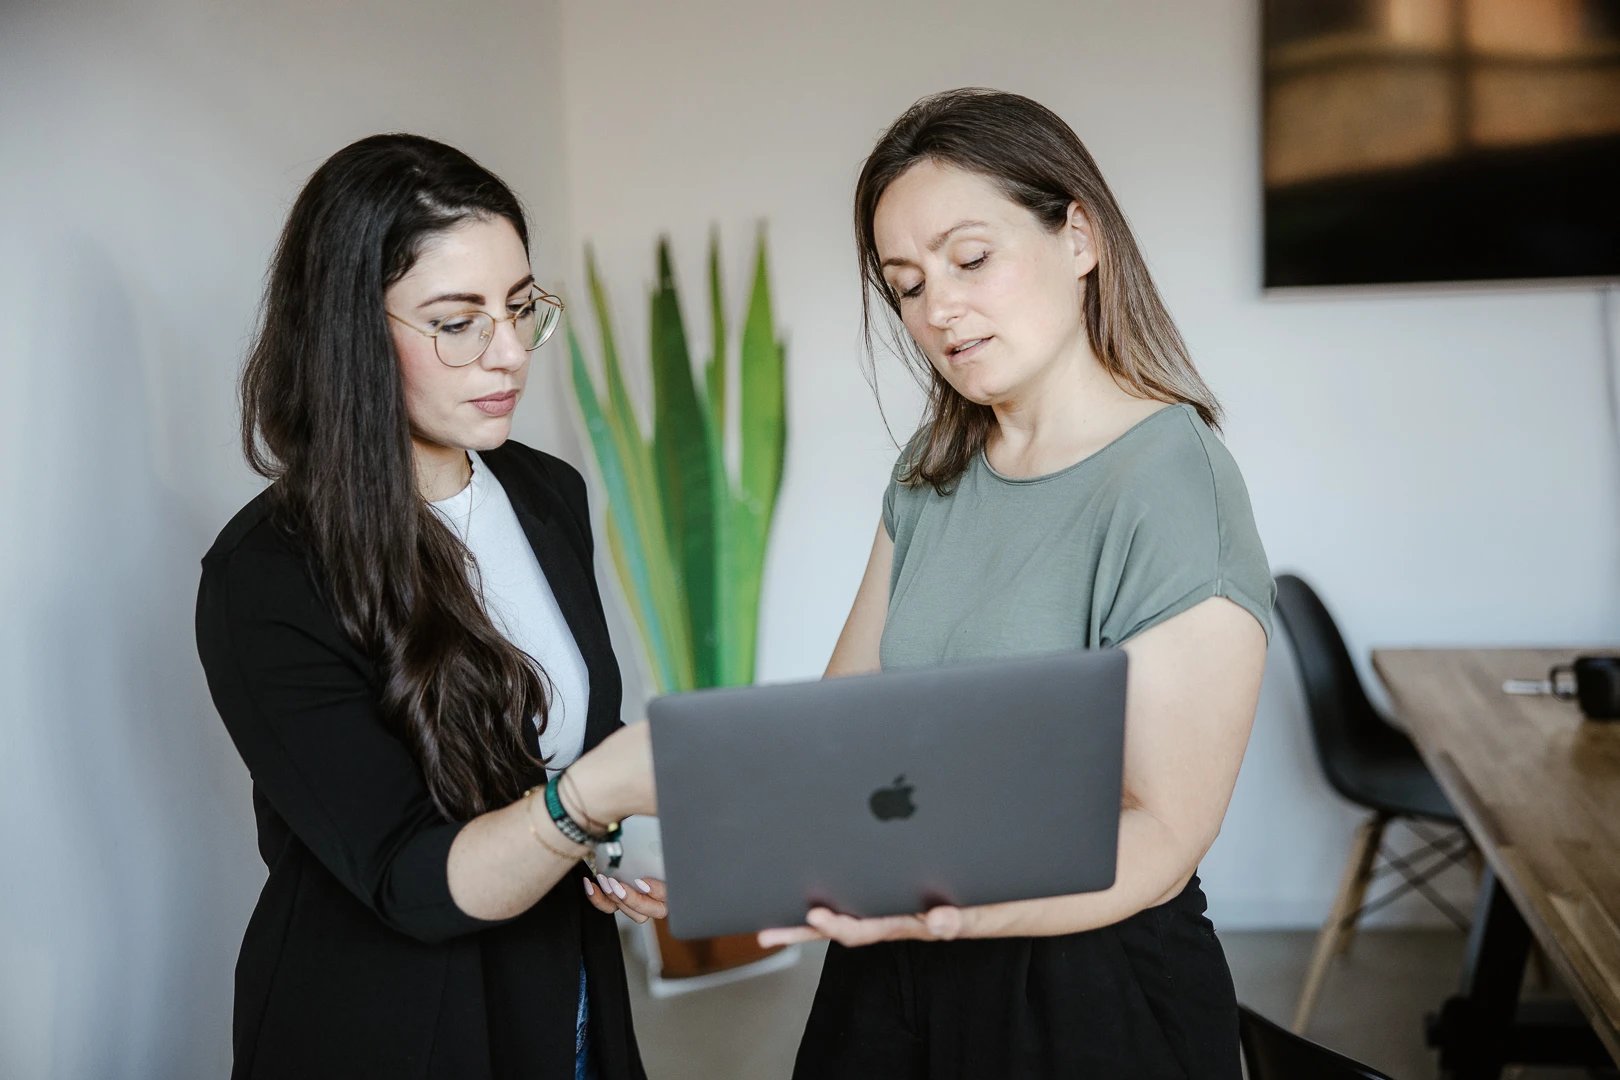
column 356, row 962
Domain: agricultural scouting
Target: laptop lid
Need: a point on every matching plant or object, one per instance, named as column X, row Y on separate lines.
column 890, row 793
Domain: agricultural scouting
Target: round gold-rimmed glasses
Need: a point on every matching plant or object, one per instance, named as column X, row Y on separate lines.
column 460, row 339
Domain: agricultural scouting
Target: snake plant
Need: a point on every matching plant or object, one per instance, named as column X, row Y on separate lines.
column 687, row 538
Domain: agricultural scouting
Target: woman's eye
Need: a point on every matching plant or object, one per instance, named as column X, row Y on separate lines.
column 455, row 326
column 976, row 263
column 915, row 290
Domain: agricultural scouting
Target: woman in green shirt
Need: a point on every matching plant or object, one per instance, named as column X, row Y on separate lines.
column 1065, row 490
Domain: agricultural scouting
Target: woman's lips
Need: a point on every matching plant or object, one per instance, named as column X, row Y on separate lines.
column 497, row 404
column 957, row 356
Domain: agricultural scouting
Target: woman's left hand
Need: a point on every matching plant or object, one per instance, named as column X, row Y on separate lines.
column 641, row 899
column 936, row 924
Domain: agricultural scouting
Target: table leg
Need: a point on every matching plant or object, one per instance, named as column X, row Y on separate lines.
column 1472, row 1030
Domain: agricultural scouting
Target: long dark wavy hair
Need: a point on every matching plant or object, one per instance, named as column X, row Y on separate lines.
column 324, row 417
column 1038, row 162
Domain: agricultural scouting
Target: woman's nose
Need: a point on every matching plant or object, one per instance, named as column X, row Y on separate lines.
column 944, row 304
column 505, row 351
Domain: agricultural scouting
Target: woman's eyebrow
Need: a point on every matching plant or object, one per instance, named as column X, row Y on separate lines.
column 460, row 297
column 476, row 299
column 936, row 242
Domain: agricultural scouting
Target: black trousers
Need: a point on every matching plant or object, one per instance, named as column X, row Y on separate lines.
column 1149, row 998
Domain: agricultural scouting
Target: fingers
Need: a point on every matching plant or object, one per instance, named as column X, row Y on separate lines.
column 603, row 903
column 848, row 930
column 610, row 896
column 639, row 903
column 653, row 887
column 853, row 932
column 617, row 894
column 788, row 935
column 637, row 899
column 844, row 929
column 940, row 923
column 945, row 923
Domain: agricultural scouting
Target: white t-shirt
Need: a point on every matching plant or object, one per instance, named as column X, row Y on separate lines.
column 522, row 606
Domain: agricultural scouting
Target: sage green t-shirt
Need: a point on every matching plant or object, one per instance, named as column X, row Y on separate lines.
column 1145, row 528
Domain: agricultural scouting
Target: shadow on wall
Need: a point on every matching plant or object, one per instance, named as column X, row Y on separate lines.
column 137, row 861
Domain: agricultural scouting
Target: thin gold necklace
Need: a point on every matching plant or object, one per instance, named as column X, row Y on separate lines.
column 472, row 497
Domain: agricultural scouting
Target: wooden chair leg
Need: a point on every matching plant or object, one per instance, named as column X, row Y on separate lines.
column 1357, row 873
column 1368, row 856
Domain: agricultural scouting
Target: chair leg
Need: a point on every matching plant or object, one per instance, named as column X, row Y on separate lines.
column 1357, row 873
column 1366, row 856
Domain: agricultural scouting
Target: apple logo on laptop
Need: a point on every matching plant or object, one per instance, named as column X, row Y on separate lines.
column 889, row 803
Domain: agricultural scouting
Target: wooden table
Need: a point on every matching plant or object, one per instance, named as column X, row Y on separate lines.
column 1538, row 787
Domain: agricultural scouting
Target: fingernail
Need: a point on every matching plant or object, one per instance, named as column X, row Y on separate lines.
column 643, row 886
column 588, row 890
column 618, row 890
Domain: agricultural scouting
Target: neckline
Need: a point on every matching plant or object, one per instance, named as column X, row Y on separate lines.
column 456, row 508
column 983, row 459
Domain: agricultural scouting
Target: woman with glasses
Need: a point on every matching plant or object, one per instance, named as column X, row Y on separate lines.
column 404, row 638
column 1065, row 491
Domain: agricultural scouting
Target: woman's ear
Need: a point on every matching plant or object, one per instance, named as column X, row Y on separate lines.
column 1078, row 232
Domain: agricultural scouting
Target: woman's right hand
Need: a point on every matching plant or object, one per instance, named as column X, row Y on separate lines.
column 615, row 780
column 641, row 899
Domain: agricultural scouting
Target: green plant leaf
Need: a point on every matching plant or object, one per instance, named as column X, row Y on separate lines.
column 649, row 547
column 744, row 570
column 714, row 378
column 683, row 453
column 762, row 423
column 620, row 517
column 764, row 406
column 687, row 543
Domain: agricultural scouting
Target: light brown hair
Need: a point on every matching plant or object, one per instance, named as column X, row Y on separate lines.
column 1038, row 162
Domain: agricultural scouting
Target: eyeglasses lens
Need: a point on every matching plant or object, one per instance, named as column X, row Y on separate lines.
column 463, row 339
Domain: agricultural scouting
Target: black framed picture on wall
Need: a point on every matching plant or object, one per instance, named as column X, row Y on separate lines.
column 1409, row 141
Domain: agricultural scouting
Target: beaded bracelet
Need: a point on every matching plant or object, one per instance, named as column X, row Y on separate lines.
column 609, row 841
column 565, row 785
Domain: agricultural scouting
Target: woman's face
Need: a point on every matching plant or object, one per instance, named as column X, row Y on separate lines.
column 990, row 296
column 478, row 265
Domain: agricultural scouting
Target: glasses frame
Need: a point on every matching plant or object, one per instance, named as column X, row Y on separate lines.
column 537, row 296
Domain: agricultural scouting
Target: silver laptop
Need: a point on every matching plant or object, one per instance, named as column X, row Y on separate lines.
column 890, row 793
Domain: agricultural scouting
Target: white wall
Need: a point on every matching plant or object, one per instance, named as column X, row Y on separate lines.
column 151, row 152
column 1443, row 466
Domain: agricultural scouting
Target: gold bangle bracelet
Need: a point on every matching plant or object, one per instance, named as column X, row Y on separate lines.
column 564, row 781
column 528, row 812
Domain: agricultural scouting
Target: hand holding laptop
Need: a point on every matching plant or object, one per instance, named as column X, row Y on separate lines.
column 942, row 923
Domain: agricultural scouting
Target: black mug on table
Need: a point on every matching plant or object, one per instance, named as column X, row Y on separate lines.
column 1593, row 682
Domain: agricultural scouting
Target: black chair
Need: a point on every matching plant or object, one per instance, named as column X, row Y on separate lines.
column 1374, row 765
column 1273, row 1053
